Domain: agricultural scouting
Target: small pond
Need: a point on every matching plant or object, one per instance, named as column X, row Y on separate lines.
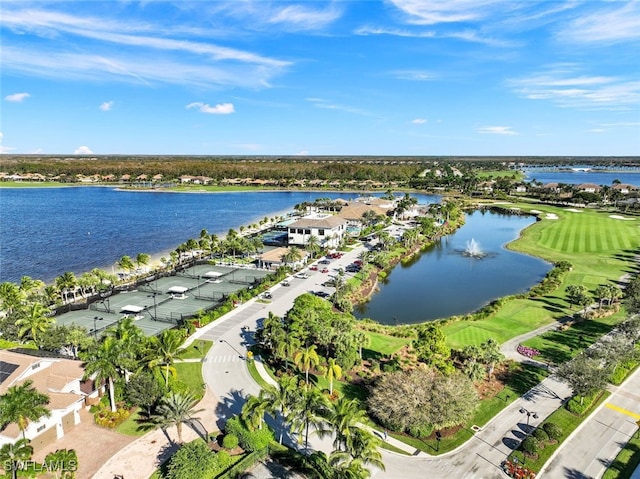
column 446, row 281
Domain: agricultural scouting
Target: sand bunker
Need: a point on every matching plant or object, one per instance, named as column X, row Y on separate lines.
column 618, row 217
column 552, row 216
column 536, row 212
column 574, row 210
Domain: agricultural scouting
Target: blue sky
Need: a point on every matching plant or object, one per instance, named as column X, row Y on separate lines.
column 396, row 77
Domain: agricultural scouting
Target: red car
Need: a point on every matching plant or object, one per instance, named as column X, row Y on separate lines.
column 314, row 268
column 324, row 270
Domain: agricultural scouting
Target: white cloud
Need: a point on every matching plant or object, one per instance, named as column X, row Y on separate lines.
column 414, row 75
column 496, row 130
column 176, row 60
column 106, row 106
column 302, row 153
column 567, row 89
column 83, row 150
column 305, row 18
column 327, row 105
column 615, row 22
column 17, row 97
column 219, row 109
column 419, row 121
column 429, row 12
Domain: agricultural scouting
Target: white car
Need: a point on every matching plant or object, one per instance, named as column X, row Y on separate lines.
column 302, row 275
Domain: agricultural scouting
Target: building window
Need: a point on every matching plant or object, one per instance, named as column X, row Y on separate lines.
column 41, row 428
column 307, row 232
column 321, row 232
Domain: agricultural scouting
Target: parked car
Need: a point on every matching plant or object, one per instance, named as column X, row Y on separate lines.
column 285, row 283
column 302, row 275
column 266, row 295
column 324, row 270
column 324, row 261
column 314, row 268
column 321, row 294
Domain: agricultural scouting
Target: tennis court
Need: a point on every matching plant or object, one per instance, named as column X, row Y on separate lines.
column 167, row 301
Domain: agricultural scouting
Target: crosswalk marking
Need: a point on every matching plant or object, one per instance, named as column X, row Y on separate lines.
column 623, row 411
column 228, row 358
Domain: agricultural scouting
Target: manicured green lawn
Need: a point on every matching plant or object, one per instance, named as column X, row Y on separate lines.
column 198, row 349
column 129, row 426
column 190, row 374
column 382, row 345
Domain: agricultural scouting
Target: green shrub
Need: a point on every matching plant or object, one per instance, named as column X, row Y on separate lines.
column 193, row 460
column 249, row 440
column 618, row 376
column 579, row 406
column 541, row 435
column 553, row 430
column 530, row 445
column 230, row 441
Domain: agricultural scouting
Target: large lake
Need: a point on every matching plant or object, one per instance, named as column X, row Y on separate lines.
column 629, row 176
column 45, row 232
column 445, row 282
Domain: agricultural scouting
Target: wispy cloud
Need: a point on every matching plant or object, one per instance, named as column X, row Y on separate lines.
column 430, row 12
column 414, row 75
column 176, row 60
column 419, row 121
column 566, row 88
column 17, row 97
column 611, row 22
column 496, row 130
column 83, row 150
column 303, row 17
column 219, row 109
column 327, row 105
column 106, row 106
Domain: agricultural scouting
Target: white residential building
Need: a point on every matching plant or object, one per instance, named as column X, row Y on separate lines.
column 327, row 228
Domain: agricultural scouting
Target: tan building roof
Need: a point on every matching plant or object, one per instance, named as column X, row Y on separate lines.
column 328, row 222
column 22, row 361
column 354, row 211
column 274, row 255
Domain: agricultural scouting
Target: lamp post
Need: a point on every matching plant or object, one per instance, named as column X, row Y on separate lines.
column 231, row 346
column 529, row 414
column 95, row 328
column 438, row 439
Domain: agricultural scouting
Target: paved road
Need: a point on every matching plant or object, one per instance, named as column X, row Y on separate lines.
column 591, row 448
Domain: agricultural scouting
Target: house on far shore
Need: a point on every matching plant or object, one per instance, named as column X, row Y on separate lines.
column 327, row 228
column 624, row 189
column 61, row 380
column 588, row 188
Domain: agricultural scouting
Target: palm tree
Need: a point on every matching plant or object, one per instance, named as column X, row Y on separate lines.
column 22, row 404
column 11, row 297
column 33, row 321
column 66, row 283
column 125, row 263
column 305, row 359
column 255, row 408
column 12, row 454
column 163, row 350
column 66, row 461
column 142, row 259
column 129, row 341
column 313, row 245
column 175, row 409
column 283, row 398
column 101, row 362
column 310, row 411
column 344, row 417
column 333, row 371
column 361, row 339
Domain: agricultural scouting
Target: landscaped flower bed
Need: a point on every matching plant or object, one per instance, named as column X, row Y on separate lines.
column 527, row 351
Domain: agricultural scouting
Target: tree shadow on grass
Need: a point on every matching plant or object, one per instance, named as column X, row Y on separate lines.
column 627, row 467
column 551, row 306
column 523, row 377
